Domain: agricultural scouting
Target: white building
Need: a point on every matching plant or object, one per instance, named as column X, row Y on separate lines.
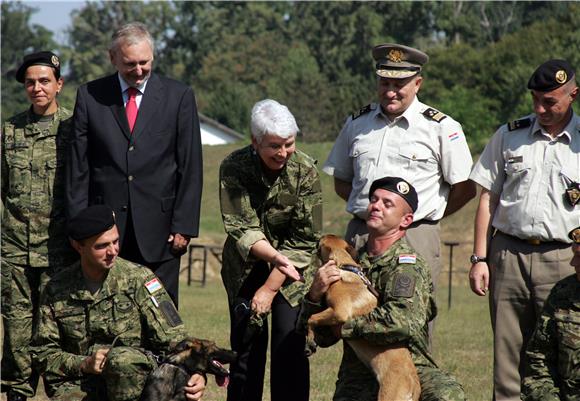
column 215, row 133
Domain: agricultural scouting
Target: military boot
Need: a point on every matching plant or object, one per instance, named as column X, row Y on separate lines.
column 14, row 396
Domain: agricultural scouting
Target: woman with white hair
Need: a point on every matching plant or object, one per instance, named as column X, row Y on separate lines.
column 271, row 205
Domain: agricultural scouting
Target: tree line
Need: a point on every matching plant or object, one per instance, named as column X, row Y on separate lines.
column 314, row 57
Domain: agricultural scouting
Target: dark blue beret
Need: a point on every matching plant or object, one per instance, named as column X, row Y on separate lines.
column 91, row 221
column 41, row 58
column 551, row 75
column 398, row 186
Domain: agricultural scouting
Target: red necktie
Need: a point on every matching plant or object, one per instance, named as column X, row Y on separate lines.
column 131, row 108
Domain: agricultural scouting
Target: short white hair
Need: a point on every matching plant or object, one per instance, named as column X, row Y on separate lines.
column 130, row 34
column 271, row 117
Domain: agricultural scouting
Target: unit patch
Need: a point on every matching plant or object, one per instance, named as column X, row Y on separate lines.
column 434, row 114
column 404, row 285
column 517, row 124
column 362, row 111
column 153, row 285
column 407, row 259
column 170, row 313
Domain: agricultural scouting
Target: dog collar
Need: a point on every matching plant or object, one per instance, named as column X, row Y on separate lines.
column 358, row 272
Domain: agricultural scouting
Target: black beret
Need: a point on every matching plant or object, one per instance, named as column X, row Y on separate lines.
column 575, row 235
column 91, row 221
column 551, row 75
column 398, row 61
column 398, row 186
column 41, row 58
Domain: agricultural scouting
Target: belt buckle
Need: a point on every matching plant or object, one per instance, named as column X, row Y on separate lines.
column 533, row 241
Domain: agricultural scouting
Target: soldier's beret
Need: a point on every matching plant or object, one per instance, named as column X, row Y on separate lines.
column 398, row 61
column 575, row 235
column 40, row 58
column 91, row 221
column 398, row 186
column 551, row 75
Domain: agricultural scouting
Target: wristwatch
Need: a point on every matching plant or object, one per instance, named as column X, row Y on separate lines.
column 475, row 259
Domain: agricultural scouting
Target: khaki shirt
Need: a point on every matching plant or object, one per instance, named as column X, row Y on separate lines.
column 429, row 152
column 530, row 173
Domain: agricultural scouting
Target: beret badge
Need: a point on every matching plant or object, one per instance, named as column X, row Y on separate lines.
column 403, row 187
column 395, row 55
column 561, row 76
column 55, row 61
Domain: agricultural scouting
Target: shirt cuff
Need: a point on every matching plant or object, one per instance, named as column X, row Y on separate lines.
column 245, row 243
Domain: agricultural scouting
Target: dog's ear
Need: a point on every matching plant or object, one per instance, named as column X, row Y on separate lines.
column 352, row 252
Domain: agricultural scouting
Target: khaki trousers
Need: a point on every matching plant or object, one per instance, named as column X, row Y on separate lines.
column 521, row 277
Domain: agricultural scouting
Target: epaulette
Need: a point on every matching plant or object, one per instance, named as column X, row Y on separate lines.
column 517, row 124
column 362, row 111
column 434, row 114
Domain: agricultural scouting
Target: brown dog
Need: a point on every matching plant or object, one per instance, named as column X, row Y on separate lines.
column 353, row 296
column 166, row 382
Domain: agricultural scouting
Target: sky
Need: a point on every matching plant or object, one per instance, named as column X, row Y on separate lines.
column 54, row 15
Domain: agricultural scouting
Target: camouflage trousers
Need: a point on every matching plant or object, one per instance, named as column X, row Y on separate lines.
column 20, row 289
column 123, row 379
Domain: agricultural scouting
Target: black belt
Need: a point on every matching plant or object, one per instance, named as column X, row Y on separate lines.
column 534, row 241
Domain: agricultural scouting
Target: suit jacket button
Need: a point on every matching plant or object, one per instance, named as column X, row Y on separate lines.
column 130, row 178
column 131, row 148
column 124, row 208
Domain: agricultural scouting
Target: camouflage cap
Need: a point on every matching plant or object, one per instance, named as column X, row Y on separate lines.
column 91, row 221
column 398, row 186
column 40, row 58
column 398, row 61
column 551, row 75
column 575, row 235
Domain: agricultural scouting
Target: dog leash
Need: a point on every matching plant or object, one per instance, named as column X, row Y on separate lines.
column 366, row 281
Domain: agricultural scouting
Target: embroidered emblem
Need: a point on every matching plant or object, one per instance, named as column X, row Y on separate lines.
column 561, row 76
column 170, row 313
column 404, row 285
column 517, row 124
column 403, row 187
column 434, row 115
column 573, row 193
column 454, row 136
column 153, row 285
column 575, row 236
column 407, row 259
column 395, row 55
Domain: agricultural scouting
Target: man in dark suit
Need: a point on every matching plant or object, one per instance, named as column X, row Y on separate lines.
column 136, row 147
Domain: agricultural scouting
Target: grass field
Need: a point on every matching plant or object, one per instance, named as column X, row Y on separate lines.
column 462, row 342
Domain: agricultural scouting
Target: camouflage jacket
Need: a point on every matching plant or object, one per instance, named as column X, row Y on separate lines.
column 33, row 198
column 131, row 309
column 406, row 305
column 286, row 212
column 553, row 369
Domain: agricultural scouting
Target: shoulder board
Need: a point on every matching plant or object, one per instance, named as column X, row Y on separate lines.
column 362, row 111
column 434, row 114
column 517, row 124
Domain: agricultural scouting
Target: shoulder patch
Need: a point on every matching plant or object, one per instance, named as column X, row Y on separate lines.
column 434, row 114
column 153, row 285
column 362, row 111
column 170, row 313
column 407, row 259
column 517, row 124
column 404, row 285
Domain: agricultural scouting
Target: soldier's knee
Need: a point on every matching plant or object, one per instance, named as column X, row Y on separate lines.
column 125, row 372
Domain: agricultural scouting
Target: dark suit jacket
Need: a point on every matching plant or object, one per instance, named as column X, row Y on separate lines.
column 156, row 174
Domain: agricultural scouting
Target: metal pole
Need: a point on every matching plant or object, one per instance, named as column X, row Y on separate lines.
column 450, row 245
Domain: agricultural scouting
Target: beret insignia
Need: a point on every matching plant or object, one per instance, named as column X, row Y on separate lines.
column 362, row 111
column 575, row 235
column 434, row 115
column 404, row 285
column 55, row 61
column 517, row 124
column 403, row 187
column 561, row 76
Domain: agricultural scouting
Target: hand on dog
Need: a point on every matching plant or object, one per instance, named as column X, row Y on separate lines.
column 95, row 363
column 195, row 387
column 262, row 300
column 324, row 277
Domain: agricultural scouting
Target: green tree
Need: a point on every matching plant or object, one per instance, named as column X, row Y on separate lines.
column 19, row 37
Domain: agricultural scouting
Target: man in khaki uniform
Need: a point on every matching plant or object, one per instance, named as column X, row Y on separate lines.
column 530, row 178
column 400, row 136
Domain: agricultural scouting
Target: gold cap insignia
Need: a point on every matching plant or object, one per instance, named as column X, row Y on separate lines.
column 395, row 55
column 575, row 235
column 561, row 76
column 403, row 187
column 54, row 60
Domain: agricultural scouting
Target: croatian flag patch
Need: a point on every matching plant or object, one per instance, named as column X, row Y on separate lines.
column 409, row 259
column 153, row 286
column 454, row 136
